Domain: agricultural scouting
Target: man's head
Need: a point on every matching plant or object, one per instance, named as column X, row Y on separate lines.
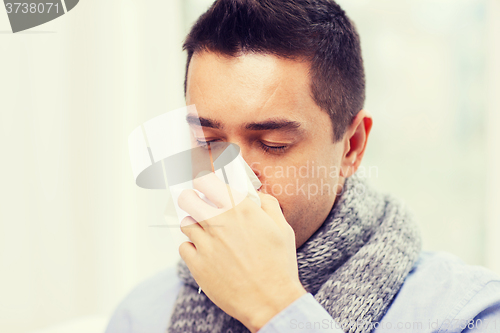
column 284, row 80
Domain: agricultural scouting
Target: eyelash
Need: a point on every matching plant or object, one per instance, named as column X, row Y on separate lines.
column 273, row 150
column 267, row 149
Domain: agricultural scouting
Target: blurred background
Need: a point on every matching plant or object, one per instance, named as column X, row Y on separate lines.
column 76, row 232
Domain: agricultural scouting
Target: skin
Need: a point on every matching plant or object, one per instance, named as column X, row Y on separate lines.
column 247, row 264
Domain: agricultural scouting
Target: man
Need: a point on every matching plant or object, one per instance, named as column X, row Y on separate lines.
column 284, row 80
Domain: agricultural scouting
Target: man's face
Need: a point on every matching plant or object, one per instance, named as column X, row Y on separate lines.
column 263, row 104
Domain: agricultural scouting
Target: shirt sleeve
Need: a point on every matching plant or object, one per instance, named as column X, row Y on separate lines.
column 303, row 315
column 488, row 320
column 478, row 314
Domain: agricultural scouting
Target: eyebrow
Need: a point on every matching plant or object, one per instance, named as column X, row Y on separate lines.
column 270, row 124
column 204, row 122
column 273, row 124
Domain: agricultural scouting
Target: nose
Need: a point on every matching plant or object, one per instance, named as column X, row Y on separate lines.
column 249, row 155
column 255, row 166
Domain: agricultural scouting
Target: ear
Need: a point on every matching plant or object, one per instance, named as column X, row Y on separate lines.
column 355, row 140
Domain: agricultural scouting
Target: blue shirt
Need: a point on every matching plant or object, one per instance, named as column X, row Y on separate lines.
column 440, row 294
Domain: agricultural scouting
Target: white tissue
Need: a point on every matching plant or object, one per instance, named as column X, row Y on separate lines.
column 242, row 181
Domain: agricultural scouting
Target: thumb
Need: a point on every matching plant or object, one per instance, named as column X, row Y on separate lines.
column 271, row 206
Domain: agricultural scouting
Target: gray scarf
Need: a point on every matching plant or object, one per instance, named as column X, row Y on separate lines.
column 354, row 265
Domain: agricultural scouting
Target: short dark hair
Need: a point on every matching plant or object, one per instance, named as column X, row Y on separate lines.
column 316, row 29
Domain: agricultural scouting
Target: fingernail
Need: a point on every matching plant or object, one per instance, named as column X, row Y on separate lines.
column 187, row 221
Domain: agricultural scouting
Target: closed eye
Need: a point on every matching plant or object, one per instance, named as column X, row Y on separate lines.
column 271, row 149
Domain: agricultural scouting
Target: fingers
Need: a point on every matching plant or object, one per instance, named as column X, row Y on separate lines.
column 187, row 251
column 192, row 204
column 271, row 206
column 192, row 230
column 214, row 189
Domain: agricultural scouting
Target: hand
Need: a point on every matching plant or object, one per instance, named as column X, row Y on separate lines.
column 244, row 258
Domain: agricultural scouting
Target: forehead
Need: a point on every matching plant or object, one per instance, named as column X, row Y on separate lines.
column 251, row 88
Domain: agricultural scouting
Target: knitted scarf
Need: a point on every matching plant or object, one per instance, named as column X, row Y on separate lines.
column 353, row 265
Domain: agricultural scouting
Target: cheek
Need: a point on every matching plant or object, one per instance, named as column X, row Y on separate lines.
column 303, row 192
column 304, row 181
column 305, row 184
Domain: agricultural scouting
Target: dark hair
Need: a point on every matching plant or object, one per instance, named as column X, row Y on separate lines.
column 316, row 29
